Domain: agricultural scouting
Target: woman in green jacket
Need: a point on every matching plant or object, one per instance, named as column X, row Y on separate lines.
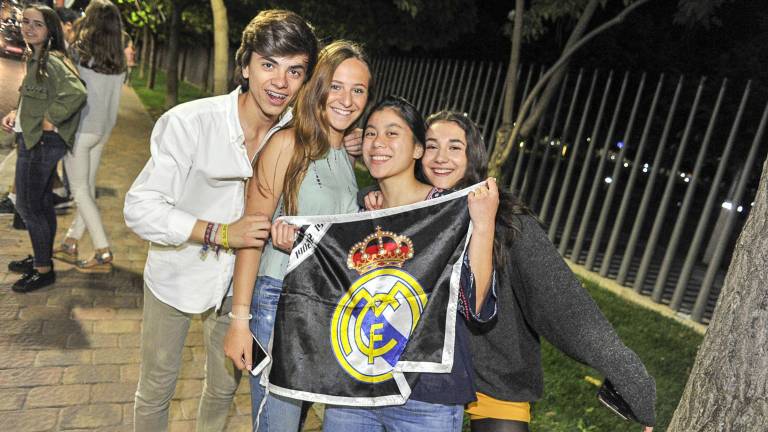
column 45, row 122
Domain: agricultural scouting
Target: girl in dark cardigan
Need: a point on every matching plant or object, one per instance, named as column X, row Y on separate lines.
column 544, row 298
column 538, row 295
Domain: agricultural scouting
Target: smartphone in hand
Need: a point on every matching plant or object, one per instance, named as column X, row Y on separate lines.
column 259, row 357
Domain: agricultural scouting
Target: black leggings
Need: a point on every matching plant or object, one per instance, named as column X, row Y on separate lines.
column 496, row 425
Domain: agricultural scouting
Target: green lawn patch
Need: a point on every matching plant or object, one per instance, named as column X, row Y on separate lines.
column 154, row 99
column 666, row 347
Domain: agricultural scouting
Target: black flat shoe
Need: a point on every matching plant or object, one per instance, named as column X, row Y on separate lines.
column 23, row 266
column 18, row 222
column 6, row 206
column 34, row 280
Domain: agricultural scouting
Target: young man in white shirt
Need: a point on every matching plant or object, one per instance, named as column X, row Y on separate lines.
column 188, row 202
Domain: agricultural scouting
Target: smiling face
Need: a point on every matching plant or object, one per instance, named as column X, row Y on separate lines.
column 347, row 95
column 273, row 81
column 389, row 146
column 33, row 28
column 445, row 157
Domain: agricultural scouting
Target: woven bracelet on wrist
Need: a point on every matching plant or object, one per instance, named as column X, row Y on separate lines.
column 224, row 236
column 207, row 236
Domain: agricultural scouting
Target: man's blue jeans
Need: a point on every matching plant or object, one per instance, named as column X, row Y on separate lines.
column 413, row 416
column 34, row 193
column 280, row 414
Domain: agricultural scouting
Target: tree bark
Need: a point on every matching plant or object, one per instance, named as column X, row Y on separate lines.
column 145, row 42
column 152, row 62
column 206, row 70
column 514, row 64
column 172, row 61
column 727, row 388
column 183, row 68
column 221, row 47
column 511, row 79
column 557, row 78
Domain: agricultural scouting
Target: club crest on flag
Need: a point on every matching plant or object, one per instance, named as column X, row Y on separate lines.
column 374, row 319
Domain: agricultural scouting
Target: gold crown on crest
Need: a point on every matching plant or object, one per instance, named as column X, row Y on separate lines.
column 380, row 249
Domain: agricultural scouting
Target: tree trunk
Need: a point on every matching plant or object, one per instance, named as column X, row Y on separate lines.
column 514, row 64
column 557, row 78
column 502, row 150
column 145, row 42
column 726, row 391
column 172, row 61
column 511, row 79
column 152, row 62
column 183, row 68
column 220, row 47
column 206, row 70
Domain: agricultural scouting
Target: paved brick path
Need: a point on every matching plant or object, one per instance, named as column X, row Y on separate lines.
column 69, row 356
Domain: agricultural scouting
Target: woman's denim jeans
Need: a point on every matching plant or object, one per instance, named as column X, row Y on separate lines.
column 413, row 416
column 34, row 193
column 279, row 414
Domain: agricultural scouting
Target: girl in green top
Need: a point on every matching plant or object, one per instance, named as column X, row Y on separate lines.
column 45, row 124
column 302, row 170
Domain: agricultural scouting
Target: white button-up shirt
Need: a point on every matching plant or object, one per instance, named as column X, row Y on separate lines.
column 197, row 170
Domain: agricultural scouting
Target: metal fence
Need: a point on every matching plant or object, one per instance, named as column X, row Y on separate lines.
column 643, row 179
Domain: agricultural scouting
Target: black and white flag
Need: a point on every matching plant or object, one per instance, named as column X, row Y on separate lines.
column 368, row 300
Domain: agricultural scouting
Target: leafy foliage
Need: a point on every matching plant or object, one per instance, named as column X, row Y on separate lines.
column 693, row 12
column 139, row 13
column 544, row 14
column 380, row 24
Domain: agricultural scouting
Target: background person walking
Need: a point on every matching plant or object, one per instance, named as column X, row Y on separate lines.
column 98, row 52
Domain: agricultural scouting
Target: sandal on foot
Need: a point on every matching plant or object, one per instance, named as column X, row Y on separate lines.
column 100, row 263
column 66, row 252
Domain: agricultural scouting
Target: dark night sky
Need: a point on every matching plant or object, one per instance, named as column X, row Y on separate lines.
column 648, row 40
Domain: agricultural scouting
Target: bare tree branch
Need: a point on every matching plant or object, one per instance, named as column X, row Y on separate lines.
column 501, row 152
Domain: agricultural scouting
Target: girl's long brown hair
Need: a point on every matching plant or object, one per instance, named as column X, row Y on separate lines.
column 99, row 38
column 311, row 129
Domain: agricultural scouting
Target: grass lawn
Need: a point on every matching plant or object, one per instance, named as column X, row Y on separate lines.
column 666, row 347
column 154, row 100
column 569, row 403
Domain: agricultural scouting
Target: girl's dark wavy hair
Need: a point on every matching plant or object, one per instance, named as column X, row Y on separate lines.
column 510, row 206
column 99, row 38
column 54, row 44
column 411, row 116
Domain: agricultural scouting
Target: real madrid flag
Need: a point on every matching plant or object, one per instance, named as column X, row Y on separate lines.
column 368, row 299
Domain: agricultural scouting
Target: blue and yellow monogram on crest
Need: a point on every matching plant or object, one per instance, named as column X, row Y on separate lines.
column 374, row 319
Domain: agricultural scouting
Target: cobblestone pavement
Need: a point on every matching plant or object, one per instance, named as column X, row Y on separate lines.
column 69, row 356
